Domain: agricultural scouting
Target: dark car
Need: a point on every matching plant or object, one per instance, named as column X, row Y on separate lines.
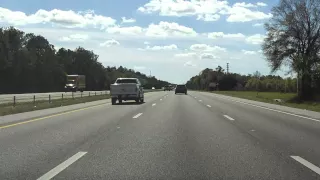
column 167, row 88
column 181, row 89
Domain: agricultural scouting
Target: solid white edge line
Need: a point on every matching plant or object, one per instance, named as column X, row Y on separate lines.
column 228, row 117
column 208, row 105
column 160, row 99
column 200, row 100
column 306, row 163
column 136, row 116
column 317, row 120
column 153, row 104
column 53, row 172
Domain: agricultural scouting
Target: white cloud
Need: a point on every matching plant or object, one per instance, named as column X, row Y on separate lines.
column 157, row 48
column 255, row 39
column 133, row 30
column 243, row 4
column 75, row 37
column 206, row 10
column 249, row 52
column 249, row 5
column 215, row 35
column 261, row 4
column 69, row 19
column 109, row 43
column 242, row 14
column 208, row 56
column 130, row 20
column 165, row 29
column 206, row 48
column 208, row 17
column 146, row 42
column 190, row 63
column 185, row 55
column 257, row 25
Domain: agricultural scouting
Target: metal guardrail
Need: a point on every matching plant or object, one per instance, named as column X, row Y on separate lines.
column 47, row 97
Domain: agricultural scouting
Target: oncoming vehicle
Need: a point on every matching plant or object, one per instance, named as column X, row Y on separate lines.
column 126, row 89
column 75, row 83
column 167, row 88
column 181, row 89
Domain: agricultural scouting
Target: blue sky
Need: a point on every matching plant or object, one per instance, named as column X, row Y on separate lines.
column 174, row 39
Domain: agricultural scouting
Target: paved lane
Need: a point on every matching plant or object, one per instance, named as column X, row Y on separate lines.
column 284, row 132
column 177, row 137
column 28, row 150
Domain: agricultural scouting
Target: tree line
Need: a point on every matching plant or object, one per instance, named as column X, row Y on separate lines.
column 293, row 40
column 218, row 79
column 29, row 63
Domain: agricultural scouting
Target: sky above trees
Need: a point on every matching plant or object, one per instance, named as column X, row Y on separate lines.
column 174, row 39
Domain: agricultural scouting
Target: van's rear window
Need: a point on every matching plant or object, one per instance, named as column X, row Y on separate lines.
column 121, row 81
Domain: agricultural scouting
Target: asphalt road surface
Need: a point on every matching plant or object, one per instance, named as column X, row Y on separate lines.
column 194, row 136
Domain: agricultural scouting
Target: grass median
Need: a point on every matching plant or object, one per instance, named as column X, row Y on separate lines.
column 9, row 108
column 285, row 99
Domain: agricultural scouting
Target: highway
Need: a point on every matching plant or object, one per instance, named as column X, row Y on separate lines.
column 195, row 136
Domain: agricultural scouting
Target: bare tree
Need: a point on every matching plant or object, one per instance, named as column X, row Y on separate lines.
column 294, row 40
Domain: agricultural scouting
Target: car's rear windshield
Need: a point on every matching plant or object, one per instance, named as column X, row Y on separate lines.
column 181, row 86
column 122, row 81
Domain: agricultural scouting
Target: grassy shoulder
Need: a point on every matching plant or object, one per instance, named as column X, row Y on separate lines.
column 269, row 97
column 6, row 109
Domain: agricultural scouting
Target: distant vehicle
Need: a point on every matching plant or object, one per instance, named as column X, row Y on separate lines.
column 181, row 89
column 167, row 88
column 126, row 89
column 75, row 83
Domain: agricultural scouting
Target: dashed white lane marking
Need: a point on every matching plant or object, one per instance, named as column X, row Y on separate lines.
column 200, row 100
column 62, row 166
column 195, row 97
column 160, row 99
column 317, row 120
column 306, row 163
column 208, row 105
column 228, row 117
column 153, row 104
column 136, row 116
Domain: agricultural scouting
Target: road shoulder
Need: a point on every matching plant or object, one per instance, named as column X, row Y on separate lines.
column 296, row 111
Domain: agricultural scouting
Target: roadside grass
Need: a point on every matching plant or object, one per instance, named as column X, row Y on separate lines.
column 8, row 108
column 287, row 99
